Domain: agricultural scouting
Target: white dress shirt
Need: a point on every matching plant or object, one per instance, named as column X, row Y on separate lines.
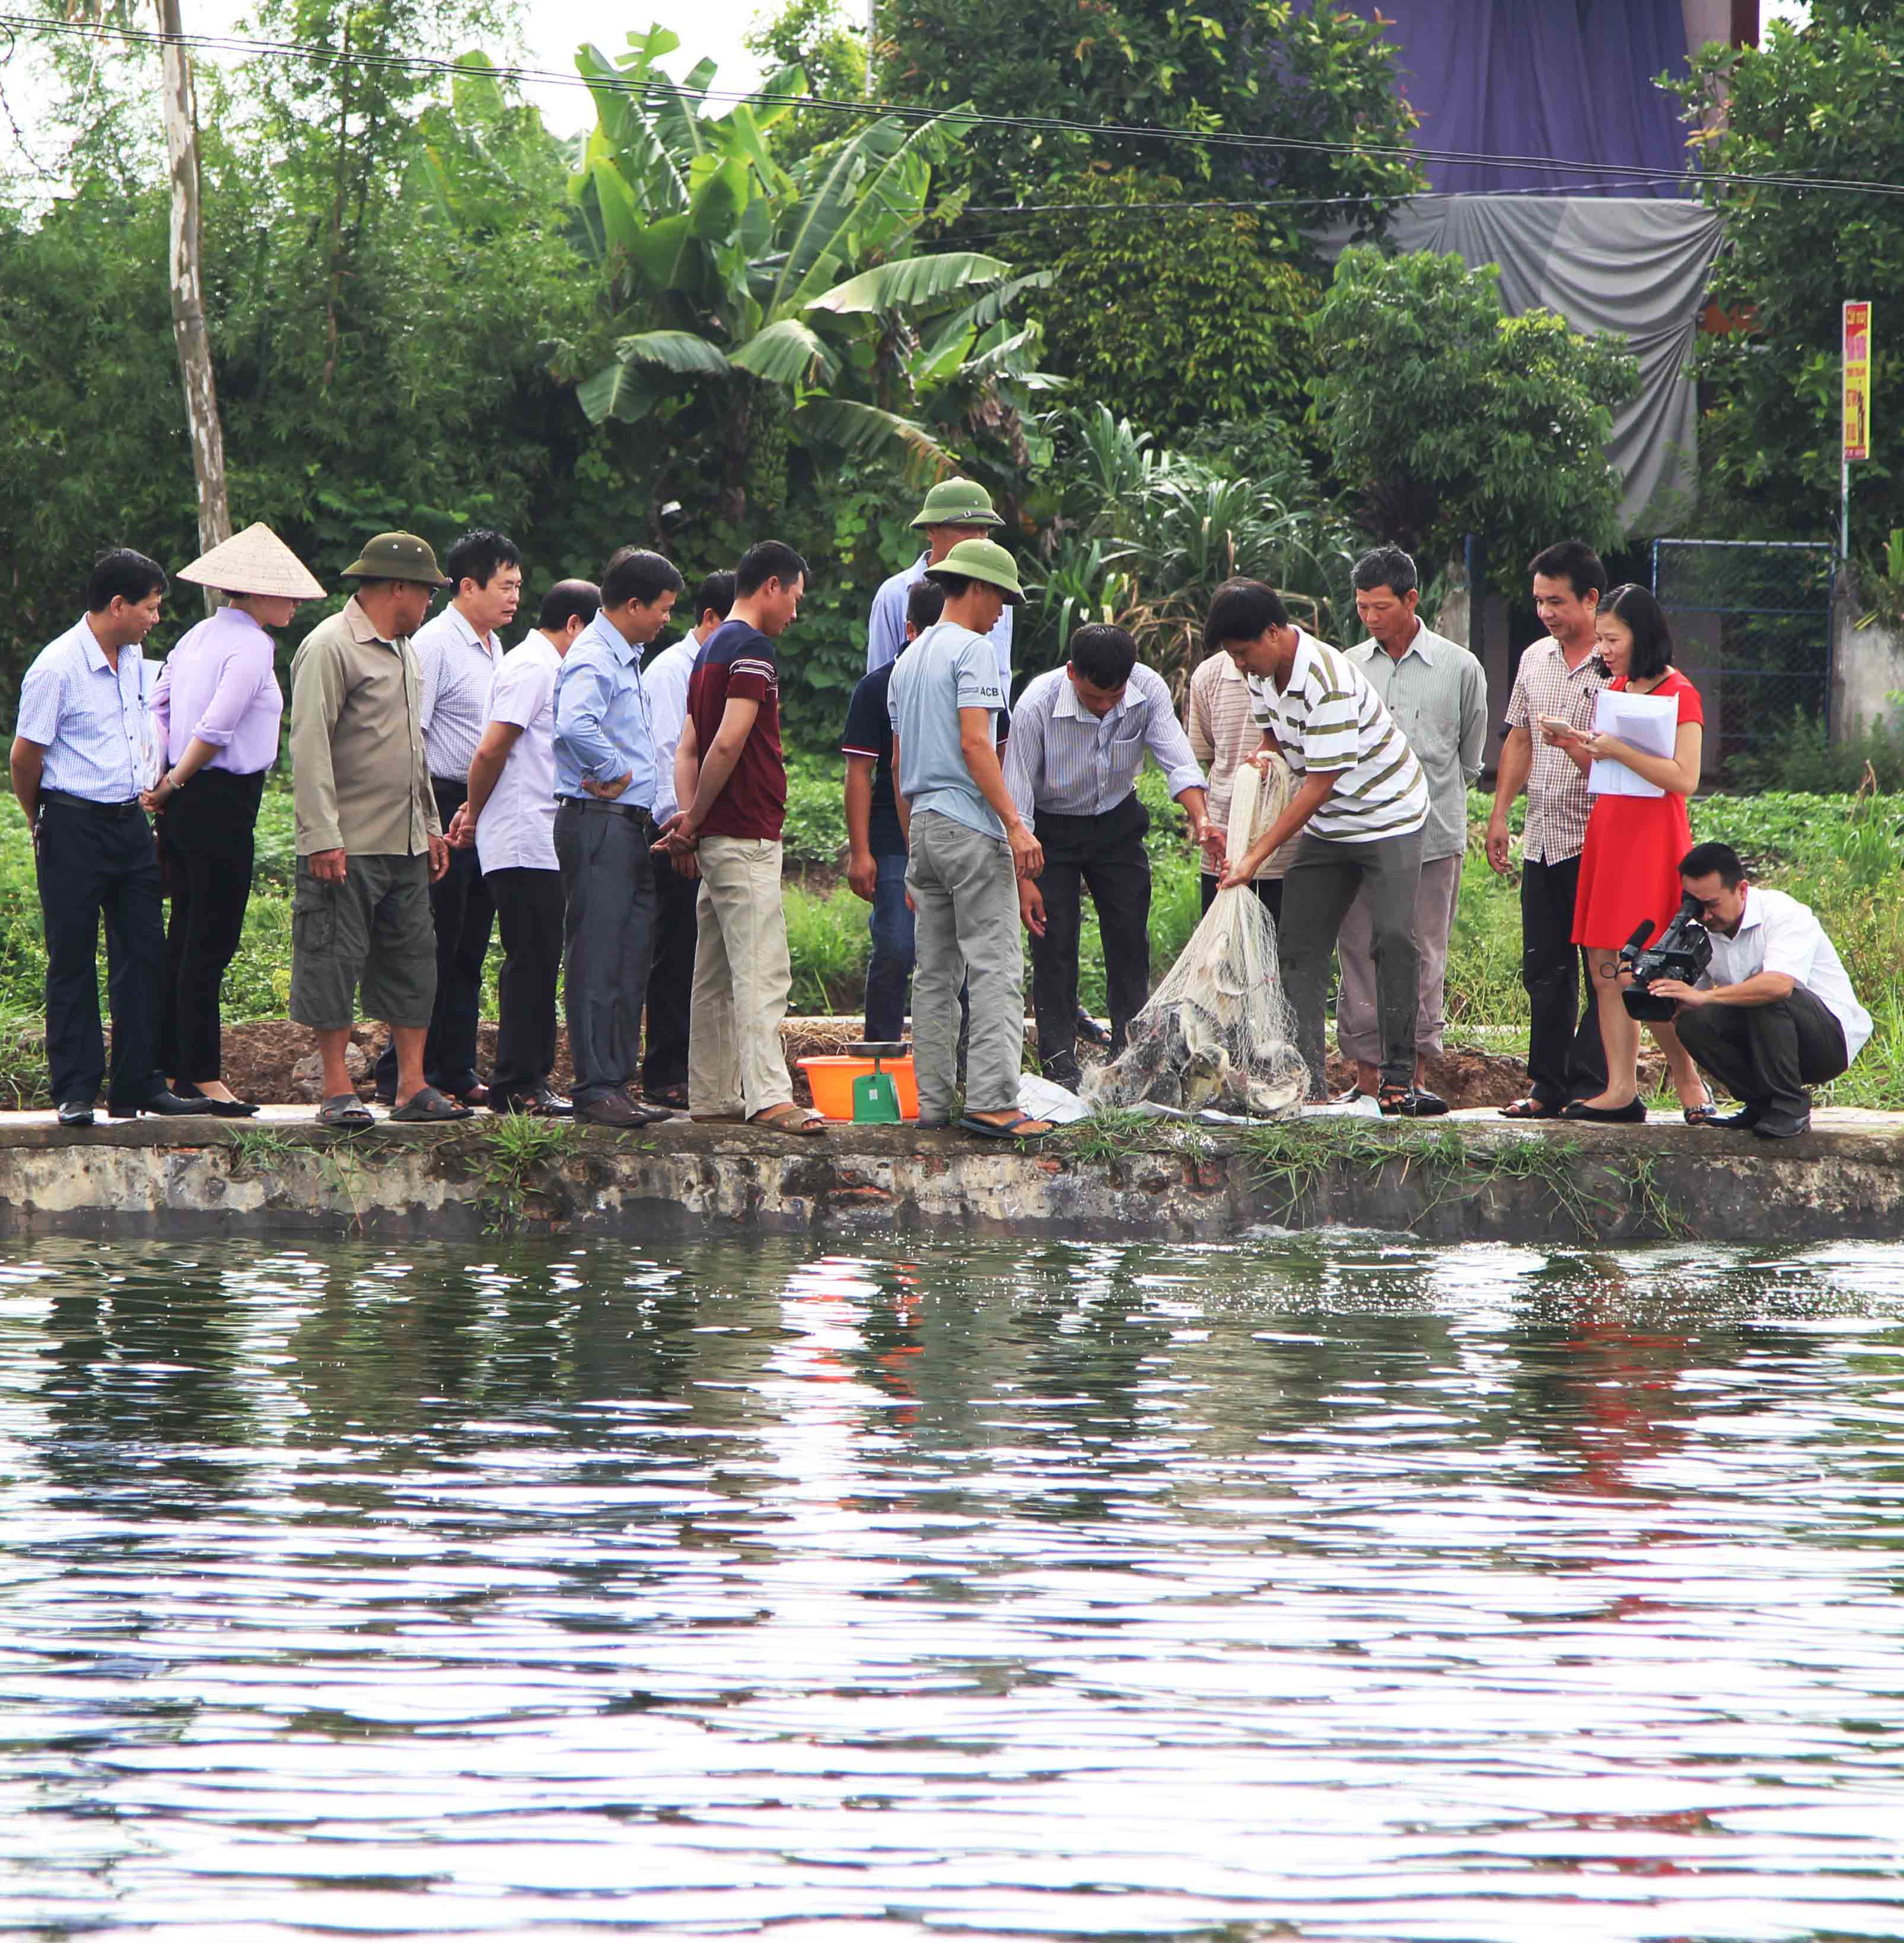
column 886, row 624
column 517, row 829
column 1063, row 759
column 458, row 668
column 666, row 678
column 1777, row 933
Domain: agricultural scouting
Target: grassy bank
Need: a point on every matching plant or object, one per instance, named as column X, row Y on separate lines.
column 1842, row 854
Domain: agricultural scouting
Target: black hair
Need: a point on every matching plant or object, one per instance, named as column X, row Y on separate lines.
column 955, row 586
column 1574, row 562
column 120, row 574
column 634, row 573
column 1652, row 638
column 1705, row 859
column 1243, row 610
column 925, row 604
column 1385, row 566
column 569, row 600
column 1103, row 655
column 716, row 591
column 765, row 561
column 480, row 556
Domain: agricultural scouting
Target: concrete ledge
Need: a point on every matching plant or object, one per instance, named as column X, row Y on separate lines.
column 1469, row 1176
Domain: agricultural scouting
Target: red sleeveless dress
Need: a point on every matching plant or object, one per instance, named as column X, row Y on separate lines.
column 1630, row 868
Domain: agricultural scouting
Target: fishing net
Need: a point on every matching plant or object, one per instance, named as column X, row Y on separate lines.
column 1217, row 1031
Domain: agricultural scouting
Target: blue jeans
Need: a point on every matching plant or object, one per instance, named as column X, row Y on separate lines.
column 889, row 972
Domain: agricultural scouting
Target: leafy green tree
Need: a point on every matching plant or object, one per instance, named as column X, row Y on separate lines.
column 816, row 37
column 1826, row 101
column 1260, row 67
column 1443, row 416
column 750, row 295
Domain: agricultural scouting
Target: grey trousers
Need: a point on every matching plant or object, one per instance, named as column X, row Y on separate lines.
column 1321, row 885
column 1358, row 1034
column 608, row 930
column 965, row 896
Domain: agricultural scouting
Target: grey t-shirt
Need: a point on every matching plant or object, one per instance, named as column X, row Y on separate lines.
column 948, row 668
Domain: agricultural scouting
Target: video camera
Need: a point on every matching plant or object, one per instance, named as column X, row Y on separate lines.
column 1684, row 950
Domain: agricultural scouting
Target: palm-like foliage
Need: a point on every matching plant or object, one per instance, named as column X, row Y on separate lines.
column 732, row 275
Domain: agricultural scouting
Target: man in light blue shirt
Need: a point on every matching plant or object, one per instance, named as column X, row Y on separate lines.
column 1080, row 735
column 967, row 847
column 955, row 510
column 82, row 755
column 607, row 778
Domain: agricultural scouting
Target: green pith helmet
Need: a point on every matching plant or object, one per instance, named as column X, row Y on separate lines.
column 957, row 502
column 396, row 556
column 986, row 560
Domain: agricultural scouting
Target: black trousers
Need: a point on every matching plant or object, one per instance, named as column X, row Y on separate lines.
column 1269, row 892
column 608, row 928
column 1765, row 1055
column 670, row 979
column 1105, row 856
column 528, row 914
column 205, row 840
column 461, row 909
column 1565, row 1058
column 97, row 862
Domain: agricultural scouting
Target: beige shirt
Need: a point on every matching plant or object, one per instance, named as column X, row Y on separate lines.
column 1558, row 804
column 1222, row 733
column 359, row 780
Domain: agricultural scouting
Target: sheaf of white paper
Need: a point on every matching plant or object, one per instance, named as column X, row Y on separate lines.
column 1647, row 723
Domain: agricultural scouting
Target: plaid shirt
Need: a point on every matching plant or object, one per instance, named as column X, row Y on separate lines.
column 1558, row 804
column 1223, row 735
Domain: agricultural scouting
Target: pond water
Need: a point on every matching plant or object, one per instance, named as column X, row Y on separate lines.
column 1328, row 1587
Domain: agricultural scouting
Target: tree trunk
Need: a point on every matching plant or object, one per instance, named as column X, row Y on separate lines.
column 187, row 279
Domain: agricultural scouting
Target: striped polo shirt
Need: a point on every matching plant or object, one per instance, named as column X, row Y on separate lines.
column 1328, row 718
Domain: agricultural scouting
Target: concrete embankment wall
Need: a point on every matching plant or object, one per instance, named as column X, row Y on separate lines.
column 1454, row 1180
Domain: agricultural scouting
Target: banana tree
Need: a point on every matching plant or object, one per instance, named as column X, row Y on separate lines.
column 738, row 282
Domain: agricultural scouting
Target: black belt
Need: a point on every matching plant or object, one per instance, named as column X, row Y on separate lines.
column 634, row 809
column 66, row 796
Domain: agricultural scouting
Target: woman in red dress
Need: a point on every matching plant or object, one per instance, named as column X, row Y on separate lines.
column 1629, row 869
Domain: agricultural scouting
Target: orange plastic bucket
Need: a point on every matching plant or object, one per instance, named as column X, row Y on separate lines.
column 831, row 1077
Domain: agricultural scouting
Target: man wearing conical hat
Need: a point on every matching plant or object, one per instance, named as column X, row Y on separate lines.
column 216, row 710
column 954, row 510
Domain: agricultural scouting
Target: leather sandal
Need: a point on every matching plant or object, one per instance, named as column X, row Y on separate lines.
column 1529, row 1109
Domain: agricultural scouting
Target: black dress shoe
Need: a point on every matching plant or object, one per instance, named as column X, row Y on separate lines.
column 162, row 1102
column 1740, row 1123
column 1410, row 1103
column 75, row 1112
column 1631, row 1115
column 1779, row 1127
column 1090, row 1031
column 544, row 1103
column 223, row 1110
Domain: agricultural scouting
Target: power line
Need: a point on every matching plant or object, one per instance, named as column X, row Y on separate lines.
column 654, row 84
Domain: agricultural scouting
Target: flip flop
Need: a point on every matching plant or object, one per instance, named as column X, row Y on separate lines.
column 428, row 1104
column 788, row 1119
column 1008, row 1130
column 345, row 1110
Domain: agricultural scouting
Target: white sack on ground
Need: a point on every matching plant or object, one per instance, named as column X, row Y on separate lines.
column 1218, row 1031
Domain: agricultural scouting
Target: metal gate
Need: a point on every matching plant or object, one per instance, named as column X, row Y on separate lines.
column 1751, row 628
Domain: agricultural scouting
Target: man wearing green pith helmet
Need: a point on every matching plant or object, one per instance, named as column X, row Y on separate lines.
column 954, row 510
column 967, row 847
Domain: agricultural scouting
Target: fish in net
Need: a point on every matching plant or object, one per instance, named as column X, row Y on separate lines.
column 1217, row 1031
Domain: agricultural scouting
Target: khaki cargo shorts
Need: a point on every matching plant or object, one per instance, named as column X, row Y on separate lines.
column 374, row 930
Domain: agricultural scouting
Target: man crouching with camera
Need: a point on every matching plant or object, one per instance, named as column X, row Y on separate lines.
column 1773, row 1013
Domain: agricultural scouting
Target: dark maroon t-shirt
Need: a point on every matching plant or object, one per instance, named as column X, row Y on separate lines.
column 737, row 660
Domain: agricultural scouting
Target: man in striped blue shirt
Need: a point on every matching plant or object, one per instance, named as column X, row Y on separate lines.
column 1360, row 805
column 1080, row 735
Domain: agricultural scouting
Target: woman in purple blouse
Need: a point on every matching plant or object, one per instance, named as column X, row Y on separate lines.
column 215, row 713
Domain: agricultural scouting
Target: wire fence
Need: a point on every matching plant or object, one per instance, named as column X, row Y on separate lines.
column 1752, row 629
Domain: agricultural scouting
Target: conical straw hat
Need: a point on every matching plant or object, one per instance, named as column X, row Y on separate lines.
column 256, row 561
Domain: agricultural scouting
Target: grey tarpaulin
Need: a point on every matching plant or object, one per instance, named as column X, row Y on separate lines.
column 1626, row 266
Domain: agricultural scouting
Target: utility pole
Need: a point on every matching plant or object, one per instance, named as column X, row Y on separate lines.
column 204, row 427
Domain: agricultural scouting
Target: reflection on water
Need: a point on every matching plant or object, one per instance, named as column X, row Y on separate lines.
column 1325, row 1587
